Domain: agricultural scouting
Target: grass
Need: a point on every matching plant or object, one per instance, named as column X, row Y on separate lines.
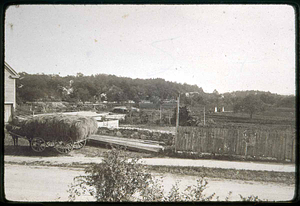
column 246, row 175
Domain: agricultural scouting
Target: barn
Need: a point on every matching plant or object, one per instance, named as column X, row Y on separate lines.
column 10, row 76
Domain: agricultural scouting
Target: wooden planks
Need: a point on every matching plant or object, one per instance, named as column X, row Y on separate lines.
column 136, row 144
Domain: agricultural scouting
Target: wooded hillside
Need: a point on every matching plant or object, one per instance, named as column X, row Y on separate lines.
column 102, row 87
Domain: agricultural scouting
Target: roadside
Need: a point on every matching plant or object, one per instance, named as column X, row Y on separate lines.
column 93, row 154
column 277, row 173
column 171, row 162
column 256, row 171
column 44, row 184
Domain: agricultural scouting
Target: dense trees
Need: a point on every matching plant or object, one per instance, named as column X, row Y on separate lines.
column 249, row 104
column 100, row 87
column 41, row 87
column 185, row 118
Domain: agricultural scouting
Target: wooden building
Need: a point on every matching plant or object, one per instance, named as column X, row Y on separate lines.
column 10, row 76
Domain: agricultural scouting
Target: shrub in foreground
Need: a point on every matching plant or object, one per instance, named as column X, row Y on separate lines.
column 116, row 179
column 119, row 179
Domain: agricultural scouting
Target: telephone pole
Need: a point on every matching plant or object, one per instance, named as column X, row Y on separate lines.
column 204, row 115
column 177, row 120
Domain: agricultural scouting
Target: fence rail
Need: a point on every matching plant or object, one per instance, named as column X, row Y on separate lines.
column 256, row 143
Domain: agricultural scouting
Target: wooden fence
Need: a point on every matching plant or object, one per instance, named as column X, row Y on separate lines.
column 256, row 143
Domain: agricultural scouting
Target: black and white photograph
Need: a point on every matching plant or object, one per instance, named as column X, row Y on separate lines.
column 150, row 103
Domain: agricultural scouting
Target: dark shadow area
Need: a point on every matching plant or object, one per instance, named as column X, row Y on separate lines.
column 23, row 149
column 27, row 151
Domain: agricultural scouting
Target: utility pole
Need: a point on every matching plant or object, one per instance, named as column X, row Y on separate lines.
column 177, row 120
column 204, row 115
column 160, row 113
column 177, row 114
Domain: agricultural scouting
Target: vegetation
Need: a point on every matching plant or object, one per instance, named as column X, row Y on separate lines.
column 249, row 104
column 115, row 180
column 120, row 179
column 101, row 87
column 185, row 117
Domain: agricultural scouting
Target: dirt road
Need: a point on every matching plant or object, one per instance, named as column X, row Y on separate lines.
column 278, row 167
column 41, row 183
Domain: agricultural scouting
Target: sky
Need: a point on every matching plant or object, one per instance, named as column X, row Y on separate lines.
column 223, row 47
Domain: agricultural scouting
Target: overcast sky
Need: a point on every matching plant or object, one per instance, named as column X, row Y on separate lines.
column 223, row 47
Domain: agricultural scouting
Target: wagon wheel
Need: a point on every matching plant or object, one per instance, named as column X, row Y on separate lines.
column 38, row 144
column 79, row 144
column 64, row 145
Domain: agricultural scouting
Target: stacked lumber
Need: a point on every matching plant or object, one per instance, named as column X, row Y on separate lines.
column 134, row 144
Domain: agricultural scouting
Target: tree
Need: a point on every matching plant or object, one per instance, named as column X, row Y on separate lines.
column 267, row 98
column 185, row 119
column 83, row 94
column 30, row 94
column 249, row 104
column 287, row 101
column 197, row 99
column 116, row 179
column 115, row 94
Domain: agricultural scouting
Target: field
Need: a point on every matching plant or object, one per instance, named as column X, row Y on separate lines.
column 272, row 117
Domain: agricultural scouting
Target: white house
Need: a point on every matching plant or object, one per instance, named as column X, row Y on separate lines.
column 10, row 76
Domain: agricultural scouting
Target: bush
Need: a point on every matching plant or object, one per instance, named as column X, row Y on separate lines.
column 120, row 179
column 116, row 179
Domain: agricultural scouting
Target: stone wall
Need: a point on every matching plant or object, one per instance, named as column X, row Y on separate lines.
column 165, row 138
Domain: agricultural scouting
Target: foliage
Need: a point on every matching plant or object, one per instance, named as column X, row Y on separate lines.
column 193, row 193
column 250, row 198
column 100, row 87
column 288, row 101
column 185, row 117
column 115, row 180
column 120, row 179
column 92, row 87
column 249, row 104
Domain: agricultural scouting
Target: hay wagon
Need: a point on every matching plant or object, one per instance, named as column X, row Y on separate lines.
column 62, row 132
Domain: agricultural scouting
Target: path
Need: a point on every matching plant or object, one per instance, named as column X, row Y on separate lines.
column 278, row 167
column 42, row 183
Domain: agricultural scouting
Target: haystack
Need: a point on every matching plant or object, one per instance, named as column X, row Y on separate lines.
column 51, row 127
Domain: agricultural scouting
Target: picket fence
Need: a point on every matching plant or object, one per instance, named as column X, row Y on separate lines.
column 258, row 144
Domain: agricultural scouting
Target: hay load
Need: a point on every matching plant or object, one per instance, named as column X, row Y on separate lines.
column 58, row 126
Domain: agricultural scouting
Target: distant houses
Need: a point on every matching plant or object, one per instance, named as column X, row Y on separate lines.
column 190, row 94
column 10, row 76
column 166, row 104
column 219, row 109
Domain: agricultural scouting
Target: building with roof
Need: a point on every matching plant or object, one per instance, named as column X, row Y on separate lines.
column 10, row 76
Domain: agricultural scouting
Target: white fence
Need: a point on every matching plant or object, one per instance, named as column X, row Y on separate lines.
column 109, row 124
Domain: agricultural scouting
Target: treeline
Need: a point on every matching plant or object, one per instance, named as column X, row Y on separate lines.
column 100, row 87
column 111, row 88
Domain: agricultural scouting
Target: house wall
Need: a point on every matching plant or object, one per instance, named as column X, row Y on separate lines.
column 9, row 95
column 9, row 89
column 8, row 112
